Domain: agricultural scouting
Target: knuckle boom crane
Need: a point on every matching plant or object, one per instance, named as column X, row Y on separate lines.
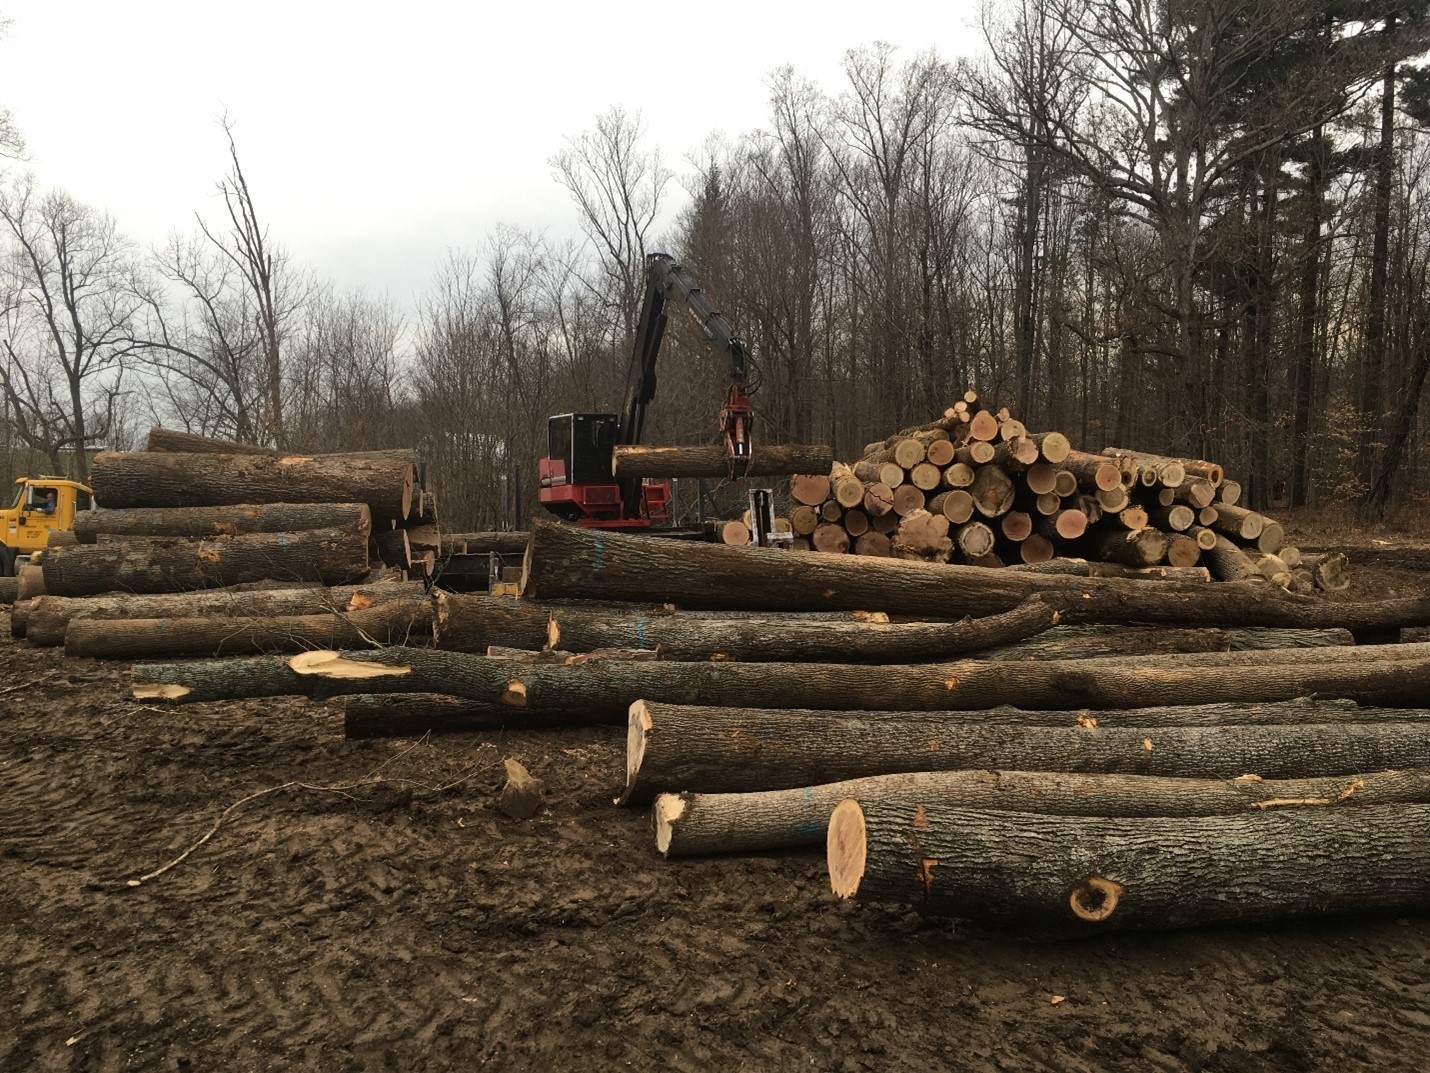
column 576, row 476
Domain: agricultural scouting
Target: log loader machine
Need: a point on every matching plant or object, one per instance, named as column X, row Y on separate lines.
column 576, row 476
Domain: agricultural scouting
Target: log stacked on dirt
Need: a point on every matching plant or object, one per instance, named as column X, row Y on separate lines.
column 1019, row 498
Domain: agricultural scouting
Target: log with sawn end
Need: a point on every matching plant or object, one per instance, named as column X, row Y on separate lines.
column 692, row 824
column 144, row 479
column 328, row 556
column 672, row 747
column 606, row 689
column 197, row 522
column 405, row 621
column 567, row 562
column 399, row 715
column 53, row 614
column 632, row 462
column 1095, row 874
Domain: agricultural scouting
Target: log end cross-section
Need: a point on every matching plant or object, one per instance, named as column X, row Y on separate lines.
column 846, row 848
column 328, row 664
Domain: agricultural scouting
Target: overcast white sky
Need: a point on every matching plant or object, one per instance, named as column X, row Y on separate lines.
column 375, row 136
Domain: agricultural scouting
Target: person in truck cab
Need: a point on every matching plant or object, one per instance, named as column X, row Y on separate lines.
column 47, row 505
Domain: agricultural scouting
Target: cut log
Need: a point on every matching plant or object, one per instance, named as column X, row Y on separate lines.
column 169, row 439
column 831, row 511
column 1329, row 570
column 1151, row 872
column 1290, row 554
column 790, row 638
column 1064, row 525
column 1113, row 500
column 329, row 556
column 672, row 747
column 196, row 522
column 1135, row 547
column 1227, row 562
column 520, row 797
column 884, row 523
column 735, row 533
column 1053, row 446
column 958, row 475
column 810, row 489
column 974, row 540
column 1132, row 517
column 830, row 538
column 922, row 535
column 992, row 491
column 983, row 426
column 1064, row 484
column 1093, row 472
column 1016, row 455
column 1206, row 538
column 567, row 562
column 1016, row 525
column 142, row 479
column 1271, row 539
column 1041, row 478
column 1036, row 549
column 804, row 520
column 907, row 499
column 640, row 461
column 391, row 547
column 1096, row 568
column 1103, row 642
column 52, row 615
column 30, row 581
column 1229, row 493
column 1197, row 493
column 1177, row 518
column 975, row 453
column 849, row 492
column 20, row 615
column 393, row 622
column 878, row 499
column 939, row 453
column 1163, row 471
column 695, row 824
column 1238, row 522
column 856, row 523
column 956, row 505
column 925, row 476
column 1183, row 552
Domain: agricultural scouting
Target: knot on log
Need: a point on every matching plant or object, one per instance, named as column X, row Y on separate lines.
column 1095, row 898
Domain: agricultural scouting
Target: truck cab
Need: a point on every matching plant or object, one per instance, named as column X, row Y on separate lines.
column 41, row 505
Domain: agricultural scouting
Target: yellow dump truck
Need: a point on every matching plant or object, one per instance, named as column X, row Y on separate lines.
column 42, row 505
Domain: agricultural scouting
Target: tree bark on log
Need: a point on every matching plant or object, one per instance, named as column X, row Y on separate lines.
column 52, row 614
column 198, row 522
column 567, row 562
column 695, row 824
column 142, row 479
column 329, row 556
column 399, row 622
column 792, row 639
column 607, row 689
column 1159, row 872
column 9, row 589
column 1227, row 562
column 173, row 440
column 20, row 615
column 1104, row 642
column 510, row 543
column 677, row 748
column 1096, row 568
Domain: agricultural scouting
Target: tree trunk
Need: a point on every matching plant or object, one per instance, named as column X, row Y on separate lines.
column 329, row 556
column 791, row 638
column 1095, row 568
column 52, row 614
column 170, row 439
column 1157, row 872
column 196, row 522
column 635, row 462
column 693, row 824
column 393, row 622
column 566, row 562
column 680, row 748
column 140, row 479
column 1227, row 562
column 608, row 689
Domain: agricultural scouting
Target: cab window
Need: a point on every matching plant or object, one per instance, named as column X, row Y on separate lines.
column 82, row 501
column 39, row 497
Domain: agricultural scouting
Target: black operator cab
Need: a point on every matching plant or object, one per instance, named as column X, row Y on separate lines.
column 576, row 479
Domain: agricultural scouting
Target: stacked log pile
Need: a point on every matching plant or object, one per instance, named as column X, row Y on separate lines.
column 976, row 487
column 193, row 515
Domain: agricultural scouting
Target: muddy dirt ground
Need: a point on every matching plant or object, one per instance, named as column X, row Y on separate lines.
column 363, row 907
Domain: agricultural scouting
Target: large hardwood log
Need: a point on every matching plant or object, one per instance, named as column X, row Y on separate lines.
column 143, row 479
column 1095, row 568
column 400, row 715
column 1158, row 872
column 792, row 638
column 766, row 460
column 172, row 439
column 506, row 543
column 672, row 747
column 608, row 688
column 400, row 622
column 195, row 522
column 52, row 615
column 329, row 556
column 1101, row 642
column 570, row 562
column 691, row 824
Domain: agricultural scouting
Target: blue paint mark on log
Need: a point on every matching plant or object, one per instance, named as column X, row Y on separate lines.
column 640, row 633
column 600, row 553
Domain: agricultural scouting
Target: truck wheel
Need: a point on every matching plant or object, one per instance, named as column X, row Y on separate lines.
column 7, row 561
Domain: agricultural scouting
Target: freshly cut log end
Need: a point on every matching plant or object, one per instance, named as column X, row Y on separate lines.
column 908, row 499
column 974, row 540
column 846, row 848
column 832, row 539
column 1036, row 549
column 1041, row 478
column 874, row 544
column 856, row 523
column 878, row 499
column 1054, row 446
column 940, row 453
column 958, row 475
column 1271, row 539
column 666, row 815
column 638, row 728
column 925, row 476
column 325, row 663
column 1229, row 492
column 1113, row 500
column 849, row 492
column 909, row 452
column 1095, row 898
column 956, row 505
column 809, row 489
column 1016, row 525
column 734, row 533
column 1065, row 484
column 992, row 492
column 984, row 426
column 1183, row 551
column 1238, row 522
